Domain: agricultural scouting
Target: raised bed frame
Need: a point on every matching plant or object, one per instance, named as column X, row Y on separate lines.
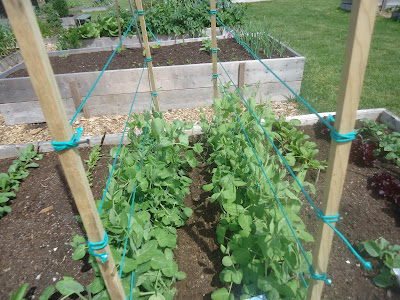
column 183, row 86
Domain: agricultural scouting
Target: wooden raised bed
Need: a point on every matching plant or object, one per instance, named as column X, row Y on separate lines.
column 183, row 86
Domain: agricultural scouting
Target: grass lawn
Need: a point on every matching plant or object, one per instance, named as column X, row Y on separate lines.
column 318, row 30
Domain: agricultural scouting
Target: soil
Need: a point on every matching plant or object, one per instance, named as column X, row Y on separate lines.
column 179, row 54
column 29, row 237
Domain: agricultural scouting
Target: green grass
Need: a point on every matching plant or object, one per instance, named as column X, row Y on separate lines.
column 318, row 30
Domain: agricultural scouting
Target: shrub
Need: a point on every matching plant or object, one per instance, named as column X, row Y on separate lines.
column 69, row 39
column 61, row 6
column 8, row 43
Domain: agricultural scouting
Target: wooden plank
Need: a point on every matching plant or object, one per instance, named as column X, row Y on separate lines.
column 241, row 76
column 214, row 46
column 357, row 48
column 170, row 78
column 136, row 25
column 391, row 120
column 26, row 30
column 76, row 96
column 148, row 54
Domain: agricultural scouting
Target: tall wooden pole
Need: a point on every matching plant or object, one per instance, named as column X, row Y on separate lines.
column 357, row 48
column 119, row 23
column 148, row 53
column 214, row 46
column 27, row 33
column 136, row 26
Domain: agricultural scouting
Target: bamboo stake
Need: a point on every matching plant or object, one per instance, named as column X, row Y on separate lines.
column 148, row 54
column 26, row 30
column 119, row 23
column 214, row 45
column 137, row 28
column 356, row 55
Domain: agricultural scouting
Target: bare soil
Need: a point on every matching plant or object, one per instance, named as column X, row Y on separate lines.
column 35, row 243
column 178, row 54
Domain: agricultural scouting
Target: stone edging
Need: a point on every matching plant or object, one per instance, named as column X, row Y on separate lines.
column 379, row 114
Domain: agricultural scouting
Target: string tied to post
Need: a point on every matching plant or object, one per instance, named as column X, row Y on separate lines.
column 140, row 12
column 214, row 50
column 154, row 94
column 99, row 246
column 73, row 142
column 214, row 76
column 339, row 137
column 322, row 277
column 213, row 11
column 148, row 59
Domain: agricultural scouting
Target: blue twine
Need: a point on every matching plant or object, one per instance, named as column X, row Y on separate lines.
column 133, row 275
column 154, row 94
column 330, row 119
column 214, row 76
column 120, row 143
column 366, row 264
column 134, row 192
column 267, row 178
column 101, row 74
column 213, row 12
column 140, row 12
column 73, row 142
column 340, row 138
column 214, row 50
column 305, row 282
column 322, row 277
column 99, row 246
column 149, row 59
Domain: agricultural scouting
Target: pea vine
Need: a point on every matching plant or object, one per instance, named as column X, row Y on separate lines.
column 261, row 254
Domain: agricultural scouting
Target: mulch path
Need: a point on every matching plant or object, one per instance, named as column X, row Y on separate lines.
column 179, row 54
column 29, row 238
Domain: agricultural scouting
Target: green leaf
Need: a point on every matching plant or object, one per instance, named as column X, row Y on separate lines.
column 184, row 139
column 241, row 256
column 20, row 293
column 171, row 269
column 208, row 187
column 97, row 285
column 180, row 275
column 221, row 294
column 146, row 252
column 47, row 293
column 68, row 286
column 157, row 126
column 245, row 222
column 233, row 209
column 79, row 252
column 188, row 211
column 227, row 261
column 372, row 248
column 383, row 280
column 157, row 297
column 198, row 148
column 129, row 265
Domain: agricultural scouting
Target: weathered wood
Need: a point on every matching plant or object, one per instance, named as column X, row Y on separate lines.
column 214, row 46
column 357, row 48
column 148, row 54
column 169, row 77
column 242, row 67
column 26, row 30
column 76, row 96
column 136, row 25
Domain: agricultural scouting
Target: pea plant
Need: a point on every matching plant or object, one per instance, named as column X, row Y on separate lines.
column 10, row 181
column 261, row 255
column 154, row 182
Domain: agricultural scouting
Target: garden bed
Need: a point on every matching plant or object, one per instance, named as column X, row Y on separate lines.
column 364, row 215
column 182, row 86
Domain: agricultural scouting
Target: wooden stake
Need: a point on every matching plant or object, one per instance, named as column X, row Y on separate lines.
column 76, row 96
column 137, row 28
column 214, row 46
column 148, row 53
column 357, row 49
column 242, row 67
column 119, row 23
column 26, row 30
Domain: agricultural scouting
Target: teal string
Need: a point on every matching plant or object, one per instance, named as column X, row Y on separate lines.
column 149, row 59
column 366, row 264
column 131, row 295
column 154, row 94
column 73, row 142
column 214, row 50
column 305, row 282
column 322, row 277
column 214, row 76
column 213, row 12
column 134, row 192
column 99, row 246
column 330, row 119
column 101, row 74
column 267, row 178
column 122, row 138
column 140, row 12
column 337, row 137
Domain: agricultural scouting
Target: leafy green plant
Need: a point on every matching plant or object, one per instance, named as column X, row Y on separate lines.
column 9, row 182
column 389, row 142
column 61, row 7
column 63, row 55
column 158, row 205
column 89, row 30
column 52, row 17
column 389, row 257
column 8, row 43
column 19, row 294
column 261, row 255
column 91, row 163
column 74, row 3
column 108, row 26
column 206, row 45
column 69, row 39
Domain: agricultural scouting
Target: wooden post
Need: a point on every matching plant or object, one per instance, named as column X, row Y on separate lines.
column 137, row 28
column 357, row 48
column 119, row 23
column 214, row 46
column 242, row 67
column 384, row 3
column 148, row 53
column 76, row 96
column 27, row 33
